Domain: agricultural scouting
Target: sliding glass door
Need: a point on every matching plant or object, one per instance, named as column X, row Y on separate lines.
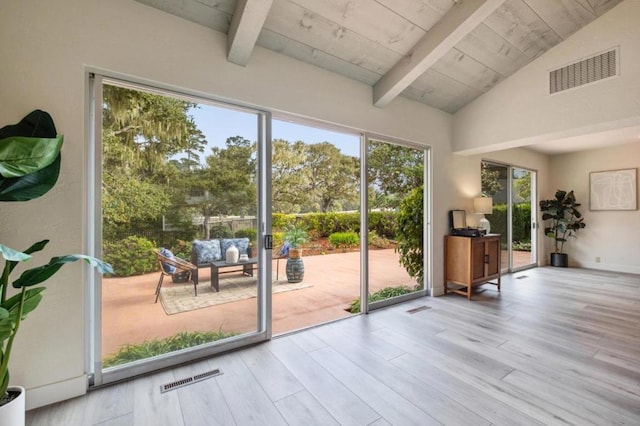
column 395, row 221
column 513, row 192
column 178, row 190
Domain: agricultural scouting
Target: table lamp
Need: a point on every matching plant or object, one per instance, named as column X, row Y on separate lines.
column 483, row 205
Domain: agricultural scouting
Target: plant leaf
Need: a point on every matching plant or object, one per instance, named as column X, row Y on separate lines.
column 30, row 186
column 13, row 255
column 32, row 298
column 21, row 155
column 37, row 275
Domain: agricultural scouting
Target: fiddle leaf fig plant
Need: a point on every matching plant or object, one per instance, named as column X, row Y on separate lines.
column 29, row 167
column 563, row 216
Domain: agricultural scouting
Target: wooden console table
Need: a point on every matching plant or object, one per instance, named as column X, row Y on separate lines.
column 471, row 261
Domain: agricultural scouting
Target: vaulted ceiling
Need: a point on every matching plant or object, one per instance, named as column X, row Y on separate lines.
column 443, row 53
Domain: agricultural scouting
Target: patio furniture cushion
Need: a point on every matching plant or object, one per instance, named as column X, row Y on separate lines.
column 207, row 251
column 169, row 269
column 242, row 244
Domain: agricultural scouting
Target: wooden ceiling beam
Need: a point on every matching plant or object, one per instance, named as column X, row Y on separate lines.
column 246, row 24
column 460, row 20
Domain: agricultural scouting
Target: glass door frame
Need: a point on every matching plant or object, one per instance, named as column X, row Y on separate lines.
column 93, row 231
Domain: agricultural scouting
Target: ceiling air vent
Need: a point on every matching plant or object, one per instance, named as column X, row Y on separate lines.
column 583, row 72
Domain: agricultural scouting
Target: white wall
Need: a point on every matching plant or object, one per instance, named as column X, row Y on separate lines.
column 614, row 236
column 45, row 48
column 519, row 111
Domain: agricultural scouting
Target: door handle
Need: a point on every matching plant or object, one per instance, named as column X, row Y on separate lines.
column 268, row 242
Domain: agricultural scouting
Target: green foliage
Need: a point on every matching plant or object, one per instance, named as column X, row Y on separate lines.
column 377, row 241
column 182, row 249
column 312, row 177
column 383, row 223
column 521, row 221
column 251, row 234
column 131, row 203
column 565, row 219
column 295, row 235
column 383, row 294
column 154, row 347
column 29, row 169
column 393, row 171
column 489, row 180
column 220, row 231
column 29, row 157
column 410, row 231
column 344, row 240
column 130, row 256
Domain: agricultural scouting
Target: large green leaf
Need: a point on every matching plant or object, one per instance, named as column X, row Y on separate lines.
column 40, row 274
column 21, row 155
column 32, row 298
column 36, row 124
column 13, row 255
column 34, row 248
column 30, row 186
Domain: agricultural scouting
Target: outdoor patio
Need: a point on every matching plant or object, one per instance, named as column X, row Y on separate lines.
column 129, row 314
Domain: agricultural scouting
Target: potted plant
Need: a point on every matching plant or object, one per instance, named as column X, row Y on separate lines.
column 295, row 236
column 565, row 221
column 29, row 167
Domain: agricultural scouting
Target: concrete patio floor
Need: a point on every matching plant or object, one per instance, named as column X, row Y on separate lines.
column 129, row 314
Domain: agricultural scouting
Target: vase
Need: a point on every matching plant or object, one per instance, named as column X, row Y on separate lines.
column 13, row 412
column 232, row 254
column 295, row 270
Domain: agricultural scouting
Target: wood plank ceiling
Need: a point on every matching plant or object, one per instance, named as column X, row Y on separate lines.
column 443, row 53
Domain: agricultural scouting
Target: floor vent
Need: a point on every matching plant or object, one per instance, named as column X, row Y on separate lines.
column 418, row 309
column 583, row 72
column 189, row 380
column 519, row 277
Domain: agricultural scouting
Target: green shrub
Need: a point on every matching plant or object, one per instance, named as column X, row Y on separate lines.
column 377, row 241
column 385, row 293
column 383, row 223
column 343, row 240
column 249, row 233
column 220, row 231
column 149, row 348
column 182, row 249
column 410, row 233
column 521, row 221
column 130, row 256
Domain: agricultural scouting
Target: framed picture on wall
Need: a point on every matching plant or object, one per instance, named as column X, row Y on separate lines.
column 613, row 190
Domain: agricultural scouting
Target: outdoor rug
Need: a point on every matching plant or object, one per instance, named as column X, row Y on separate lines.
column 177, row 298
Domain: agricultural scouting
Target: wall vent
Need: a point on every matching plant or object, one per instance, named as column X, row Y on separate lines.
column 583, row 72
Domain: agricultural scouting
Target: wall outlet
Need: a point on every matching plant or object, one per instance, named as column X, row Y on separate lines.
column 597, row 259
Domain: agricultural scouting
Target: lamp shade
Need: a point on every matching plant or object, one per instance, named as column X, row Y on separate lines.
column 483, row 205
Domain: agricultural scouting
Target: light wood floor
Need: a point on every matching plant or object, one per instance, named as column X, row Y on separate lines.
column 557, row 346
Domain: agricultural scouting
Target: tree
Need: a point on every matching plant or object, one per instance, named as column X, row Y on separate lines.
column 333, row 177
column 142, row 130
column 522, row 187
column 227, row 184
column 393, row 172
column 288, row 176
column 489, row 180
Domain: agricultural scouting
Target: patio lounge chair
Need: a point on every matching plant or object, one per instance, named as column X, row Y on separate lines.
column 170, row 266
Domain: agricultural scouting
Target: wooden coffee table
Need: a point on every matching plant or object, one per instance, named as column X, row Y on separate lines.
column 247, row 269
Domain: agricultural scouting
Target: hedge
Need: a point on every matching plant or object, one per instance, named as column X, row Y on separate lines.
column 521, row 221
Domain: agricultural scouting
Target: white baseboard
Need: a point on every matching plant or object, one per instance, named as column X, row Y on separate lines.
column 627, row 269
column 55, row 392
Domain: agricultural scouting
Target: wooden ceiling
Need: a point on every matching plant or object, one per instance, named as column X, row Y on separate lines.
column 443, row 53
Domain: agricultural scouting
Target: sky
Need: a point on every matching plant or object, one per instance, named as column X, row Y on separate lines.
column 220, row 123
